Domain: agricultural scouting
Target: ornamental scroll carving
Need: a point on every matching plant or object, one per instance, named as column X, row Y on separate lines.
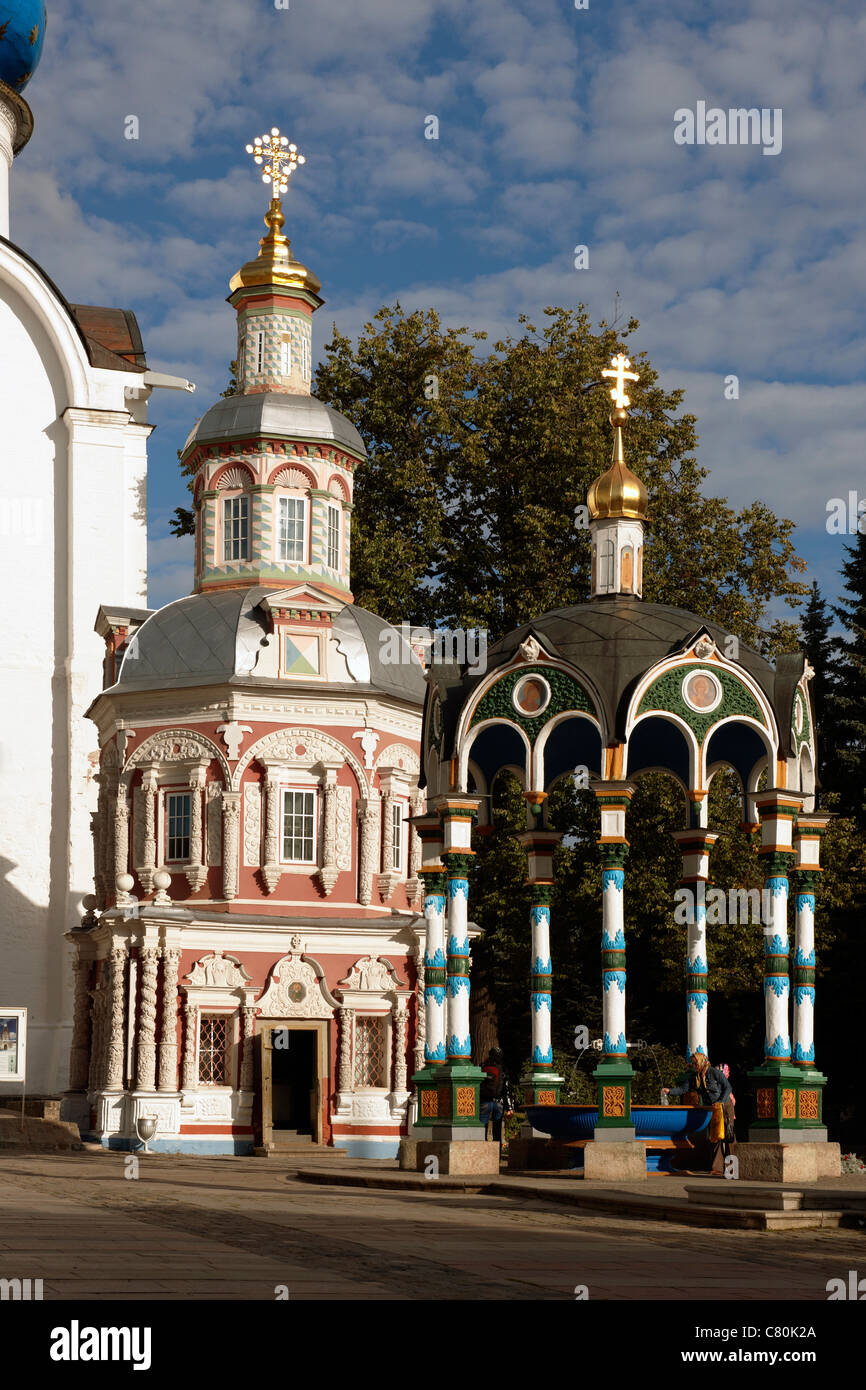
column 221, row 972
column 399, row 755
column 294, row 990
column 344, row 827
column 282, row 746
column 370, row 974
column 178, row 745
column 252, row 824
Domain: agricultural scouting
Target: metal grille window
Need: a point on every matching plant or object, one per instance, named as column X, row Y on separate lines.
column 213, row 1050
column 177, row 811
column 397, row 824
column 292, row 525
column 371, row 1037
column 299, row 821
column 333, row 538
column 236, row 528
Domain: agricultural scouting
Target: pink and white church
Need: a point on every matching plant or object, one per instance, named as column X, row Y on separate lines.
column 248, row 968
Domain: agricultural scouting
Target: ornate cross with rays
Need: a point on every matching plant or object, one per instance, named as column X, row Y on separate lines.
column 619, row 370
column 283, row 159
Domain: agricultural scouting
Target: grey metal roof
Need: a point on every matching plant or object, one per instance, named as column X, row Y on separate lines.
column 272, row 413
column 215, row 638
column 615, row 641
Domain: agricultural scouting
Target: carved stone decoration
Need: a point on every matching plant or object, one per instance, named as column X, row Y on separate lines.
column 281, row 747
column 196, row 873
column 248, row 1016
column 329, row 873
column 137, row 831
column 234, row 477
column 98, row 997
column 530, row 649
column 98, row 836
column 347, row 1033
column 413, row 882
column 368, row 817
column 282, row 998
column 370, row 974
column 387, row 881
column 252, row 824
column 704, row 646
column 190, row 1045
column 344, row 828
column 179, row 745
column 79, row 1049
column 231, row 836
column 291, row 477
column 214, row 825
column 145, row 1076
column 121, row 835
column 399, row 755
column 233, row 737
column 220, row 972
column 369, row 740
column 168, row 1038
column 147, row 868
column 401, row 1032
column 113, row 1080
column 272, row 869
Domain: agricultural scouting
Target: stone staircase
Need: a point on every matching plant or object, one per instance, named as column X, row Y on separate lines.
column 773, row 1208
column 39, row 1134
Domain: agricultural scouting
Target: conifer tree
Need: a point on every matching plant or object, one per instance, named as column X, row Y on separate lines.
column 851, row 697
column 822, row 651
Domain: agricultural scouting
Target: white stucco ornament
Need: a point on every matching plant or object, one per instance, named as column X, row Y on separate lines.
column 233, row 737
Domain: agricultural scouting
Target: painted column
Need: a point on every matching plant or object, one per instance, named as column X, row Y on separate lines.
column 775, row 1080
column 145, row 1078
column 435, row 976
column 614, row 1072
column 808, row 834
column 168, row 1036
column 541, row 1085
column 695, row 846
column 458, row 1041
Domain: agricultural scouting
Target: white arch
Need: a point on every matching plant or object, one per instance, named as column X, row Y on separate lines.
column 541, row 742
column 21, row 280
column 679, row 723
column 472, row 736
column 744, row 719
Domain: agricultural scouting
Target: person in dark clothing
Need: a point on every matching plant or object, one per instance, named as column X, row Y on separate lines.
column 710, row 1086
column 495, row 1094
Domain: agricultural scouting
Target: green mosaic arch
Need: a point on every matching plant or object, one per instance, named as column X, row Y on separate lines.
column 566, row 694
column 665, row 696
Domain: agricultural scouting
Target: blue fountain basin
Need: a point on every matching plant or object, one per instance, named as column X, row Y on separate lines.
column 569, row 1123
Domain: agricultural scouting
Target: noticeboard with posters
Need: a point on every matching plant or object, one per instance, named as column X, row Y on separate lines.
column 13, row 1043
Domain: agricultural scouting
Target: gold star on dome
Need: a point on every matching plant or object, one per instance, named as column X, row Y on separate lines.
column 34, row 34
column 282, row 158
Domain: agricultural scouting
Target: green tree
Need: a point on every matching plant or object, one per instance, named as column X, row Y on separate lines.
column 851, row 688
column 821, row 651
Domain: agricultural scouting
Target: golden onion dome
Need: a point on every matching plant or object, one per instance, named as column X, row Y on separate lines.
column 275, row 264
column 618, row 492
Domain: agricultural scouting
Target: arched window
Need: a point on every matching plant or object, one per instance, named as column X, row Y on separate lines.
column 627, row 569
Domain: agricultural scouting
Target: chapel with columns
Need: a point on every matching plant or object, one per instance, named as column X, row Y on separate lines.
column 247, row 967
column 621, row 687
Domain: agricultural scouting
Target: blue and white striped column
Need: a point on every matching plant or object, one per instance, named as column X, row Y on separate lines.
column 457, row 815
column 542, row 1084
column 434, row 967
column 695, row 846
column 807, row 844
column 777, row 812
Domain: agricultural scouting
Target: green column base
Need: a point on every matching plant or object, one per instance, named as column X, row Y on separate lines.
column 540, row 1088
column 614, row 1095
column 449, row 1095
column 787, row 1098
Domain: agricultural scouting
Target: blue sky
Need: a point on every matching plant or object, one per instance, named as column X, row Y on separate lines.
column 556, row 130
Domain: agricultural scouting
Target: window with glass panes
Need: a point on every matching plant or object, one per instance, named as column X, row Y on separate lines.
column 333, row 538
column 299, row 826
column 371, row 1041
column 256, row 353
column 177, row 812
column 397, row 826
column 290, row 532
column 213, row 1047
column 236, row 528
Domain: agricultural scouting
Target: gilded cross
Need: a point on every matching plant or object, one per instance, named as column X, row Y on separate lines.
column 620, row 371
column 282, row 158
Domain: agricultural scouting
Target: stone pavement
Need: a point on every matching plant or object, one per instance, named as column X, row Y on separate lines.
column 237, row 1228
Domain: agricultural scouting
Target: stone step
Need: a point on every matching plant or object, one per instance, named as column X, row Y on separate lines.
column 757, row 1196
column 37, row 1134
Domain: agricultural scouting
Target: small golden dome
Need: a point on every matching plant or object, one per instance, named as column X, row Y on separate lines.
column 618, row 492
column 275, row 264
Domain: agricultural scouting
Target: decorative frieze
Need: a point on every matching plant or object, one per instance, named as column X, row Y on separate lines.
column 252, row 825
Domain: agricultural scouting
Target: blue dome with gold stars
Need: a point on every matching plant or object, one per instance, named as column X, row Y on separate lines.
column 22, row 32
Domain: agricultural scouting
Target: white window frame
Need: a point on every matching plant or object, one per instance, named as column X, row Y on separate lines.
column 398, row 837
column 257, row 356
column 333, row 517
column 286, row 356
column 228, row 521
column 283, row 558
column 167, row 794
column 305, row 357
column 299, row 791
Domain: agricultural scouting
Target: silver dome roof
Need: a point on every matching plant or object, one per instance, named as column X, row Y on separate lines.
column 272, row 413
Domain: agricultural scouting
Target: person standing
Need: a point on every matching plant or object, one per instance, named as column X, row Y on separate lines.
column 495, row 1093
